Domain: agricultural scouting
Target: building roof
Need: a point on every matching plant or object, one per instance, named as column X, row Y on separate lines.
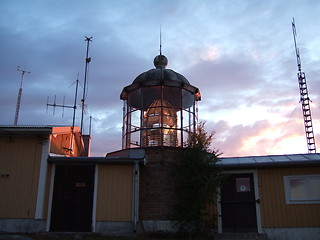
column 25, row 130
column 160, row 76
column 26, row 126
column 33, row 127
column 37, row 130
column 94, row 160
column 124, row 156
column 307, row 159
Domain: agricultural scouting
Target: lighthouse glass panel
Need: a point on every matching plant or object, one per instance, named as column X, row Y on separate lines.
column 158, row 116
column 160, row 122
column 149, row 95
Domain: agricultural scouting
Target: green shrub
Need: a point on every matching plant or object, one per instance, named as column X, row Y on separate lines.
column 197, row 179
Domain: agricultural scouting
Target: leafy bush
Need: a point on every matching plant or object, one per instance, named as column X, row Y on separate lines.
column 197, row 178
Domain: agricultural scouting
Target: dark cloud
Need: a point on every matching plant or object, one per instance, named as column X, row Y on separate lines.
column 239, row 55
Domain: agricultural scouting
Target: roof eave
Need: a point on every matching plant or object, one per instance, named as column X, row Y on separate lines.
column 309, row 163
column 94, row 160
column 128, row 89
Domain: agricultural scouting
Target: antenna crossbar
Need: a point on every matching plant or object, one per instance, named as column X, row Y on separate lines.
column 63, row 106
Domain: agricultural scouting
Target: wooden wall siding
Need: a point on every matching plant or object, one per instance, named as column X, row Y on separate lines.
column 20, row 159
column 115, row 193
column 274, row 210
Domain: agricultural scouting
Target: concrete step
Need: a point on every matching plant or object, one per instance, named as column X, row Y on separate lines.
column 240, row 236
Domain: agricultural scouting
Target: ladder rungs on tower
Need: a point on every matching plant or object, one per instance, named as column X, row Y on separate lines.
column 304, row 98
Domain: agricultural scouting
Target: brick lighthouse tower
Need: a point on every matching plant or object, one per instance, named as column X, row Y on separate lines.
column 159, row 113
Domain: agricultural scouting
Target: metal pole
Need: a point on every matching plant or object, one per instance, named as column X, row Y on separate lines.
column 75, row 104
column 90, row 125
column 88, row 39
column 19, row 96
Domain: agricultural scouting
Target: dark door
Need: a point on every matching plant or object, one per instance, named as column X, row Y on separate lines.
column 238, row 205
column 72, row 201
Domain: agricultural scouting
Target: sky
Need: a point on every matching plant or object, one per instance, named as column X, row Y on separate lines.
column 239, row 53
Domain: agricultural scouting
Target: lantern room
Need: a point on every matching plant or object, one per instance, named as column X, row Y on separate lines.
column 160, row 108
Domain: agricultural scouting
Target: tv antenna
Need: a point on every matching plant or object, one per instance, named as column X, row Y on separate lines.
column 88, row 59
column 304, row 98
column 19, row 96
column 63, row 106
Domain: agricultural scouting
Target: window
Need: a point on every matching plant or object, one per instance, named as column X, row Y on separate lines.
column 302, row 189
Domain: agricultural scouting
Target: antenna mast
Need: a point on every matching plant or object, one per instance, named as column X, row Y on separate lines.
column 19, row 96
column 88, row 59
column 304, row 98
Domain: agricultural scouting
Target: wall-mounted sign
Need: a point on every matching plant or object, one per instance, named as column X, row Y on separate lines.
column 81, row 184
column 243, row 184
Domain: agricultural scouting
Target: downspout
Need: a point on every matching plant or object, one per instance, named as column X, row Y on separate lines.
column 136, row 195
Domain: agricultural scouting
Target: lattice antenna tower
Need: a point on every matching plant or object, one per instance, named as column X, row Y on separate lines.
column 88, row 59
column 15, row 123
column 63, row 106
column 304, row 98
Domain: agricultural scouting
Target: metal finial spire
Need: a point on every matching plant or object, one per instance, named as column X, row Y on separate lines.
column 160, row 42
column 160, row 61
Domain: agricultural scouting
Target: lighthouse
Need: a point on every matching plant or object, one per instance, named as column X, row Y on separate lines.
column 160, row 108
column 159, row 114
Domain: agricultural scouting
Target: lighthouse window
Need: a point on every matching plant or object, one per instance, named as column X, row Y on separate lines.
column 149, row 95
column 187, row 99
column 173, row 96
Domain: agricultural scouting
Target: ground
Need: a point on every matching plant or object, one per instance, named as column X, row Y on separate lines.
column 83, row 236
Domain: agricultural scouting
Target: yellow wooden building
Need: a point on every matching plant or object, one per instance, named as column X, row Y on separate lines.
column 278, row 195
column 24, row 171
column 48, row 183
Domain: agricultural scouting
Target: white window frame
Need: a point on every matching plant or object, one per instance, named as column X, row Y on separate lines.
column 307, row 200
